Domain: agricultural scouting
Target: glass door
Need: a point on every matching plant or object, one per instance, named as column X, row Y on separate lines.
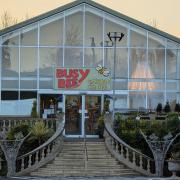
column 81, row 115
column 73, row 115
column 93, row 109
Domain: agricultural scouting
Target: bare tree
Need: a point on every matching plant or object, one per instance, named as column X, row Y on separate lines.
column 153, row 22
column 7, row 20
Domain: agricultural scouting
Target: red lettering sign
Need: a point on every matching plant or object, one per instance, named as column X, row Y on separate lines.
column 70, row 78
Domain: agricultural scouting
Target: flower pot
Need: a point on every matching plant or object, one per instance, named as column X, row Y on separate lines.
column 174, row 166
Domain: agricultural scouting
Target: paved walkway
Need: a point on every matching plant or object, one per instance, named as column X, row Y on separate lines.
column 87, row 178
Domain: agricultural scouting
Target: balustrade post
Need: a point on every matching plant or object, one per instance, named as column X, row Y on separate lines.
column 134, row 158
column 29, row 160
column 127, row 153
column 36, row 157
column 4, row 124
column 117, row 146
column 140, row 162
column 22, row 164
column 122, row 150
column 148, row 166
column 43, row 154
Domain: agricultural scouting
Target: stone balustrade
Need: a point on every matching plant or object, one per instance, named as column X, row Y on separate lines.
column 43, row 154
column 9, row 122
column 125, row 153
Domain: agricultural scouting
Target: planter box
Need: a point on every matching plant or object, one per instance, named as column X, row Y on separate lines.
column 174, row 166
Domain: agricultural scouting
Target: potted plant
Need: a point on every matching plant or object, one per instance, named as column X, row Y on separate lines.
column 101, row 126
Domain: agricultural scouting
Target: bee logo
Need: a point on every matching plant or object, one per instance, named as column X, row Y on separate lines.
column 102, row 70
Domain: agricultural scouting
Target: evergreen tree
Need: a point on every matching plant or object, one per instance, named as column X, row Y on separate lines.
column 167, row 107
column 177, row 108
column 34, row 110
column 159, row 108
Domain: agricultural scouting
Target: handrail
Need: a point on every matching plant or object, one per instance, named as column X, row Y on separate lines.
column 125, row 153
column 42, row 154
column 85, row 146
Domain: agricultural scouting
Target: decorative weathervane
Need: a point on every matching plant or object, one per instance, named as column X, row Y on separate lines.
column 159, row 148
column 102, row 70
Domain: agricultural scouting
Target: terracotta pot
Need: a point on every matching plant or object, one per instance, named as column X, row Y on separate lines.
column 174, row 166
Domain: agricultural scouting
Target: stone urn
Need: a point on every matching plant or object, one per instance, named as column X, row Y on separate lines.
column 174, row 166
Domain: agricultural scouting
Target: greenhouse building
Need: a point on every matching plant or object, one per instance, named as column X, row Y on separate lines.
column 73, row 58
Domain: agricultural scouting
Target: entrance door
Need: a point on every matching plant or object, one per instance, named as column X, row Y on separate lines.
column 81, row 115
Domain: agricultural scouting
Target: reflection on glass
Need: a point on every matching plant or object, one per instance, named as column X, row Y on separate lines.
column 171, row 67
column 73, row 57
column 93, row 107
column 93, row 57
column 138, row 37
column 28, row 67
column 51, row 34
column 74, row 29
column 73, row 110
column 94, row 28
column 10, row 62
column 28, row 37
column 50, row 58
column 137, row 100
column 156, row 62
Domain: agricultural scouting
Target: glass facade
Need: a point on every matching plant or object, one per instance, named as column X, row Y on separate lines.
column 146, row 64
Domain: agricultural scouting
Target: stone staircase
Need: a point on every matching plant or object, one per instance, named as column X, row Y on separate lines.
column 70, row 162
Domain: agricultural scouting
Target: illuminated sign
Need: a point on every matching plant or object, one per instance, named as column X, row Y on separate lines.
column 95, row 79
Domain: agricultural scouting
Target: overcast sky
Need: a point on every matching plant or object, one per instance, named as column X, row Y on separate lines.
column 165, row 12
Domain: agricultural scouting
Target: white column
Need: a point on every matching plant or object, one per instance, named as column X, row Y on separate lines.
column 83, row 115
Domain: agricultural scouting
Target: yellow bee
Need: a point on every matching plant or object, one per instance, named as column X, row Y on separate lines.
column 102, row 70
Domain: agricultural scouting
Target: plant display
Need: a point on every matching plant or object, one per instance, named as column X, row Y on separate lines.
column 34, row 113
column 167, row 108
column 159, row 108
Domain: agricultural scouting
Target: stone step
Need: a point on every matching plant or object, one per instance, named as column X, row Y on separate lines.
column 70, row 162
column 89, row 174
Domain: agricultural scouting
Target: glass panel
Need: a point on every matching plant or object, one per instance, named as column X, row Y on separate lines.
column 11, row 39
column 120, row 102
column 29, row 36
column 51, row 32
column 93, row 107
column 155, row 41
column 171, row 44
column 9, row 95
column 171, row 86
column 10, row 84
column 93, row 28
column 28, row 84
column 74, row 27
column 28, row 95
column 153, row 98
column 115, row 25
column 93, row 57
column 138, row 37
column 172, row 99
column 73, row 57
column 50, row 58
column 121, row 85
column 46, row 84
column 171, row 66
column 121, row 68
column 137, row 100
column 28, row 67
column 10, row 62
column 73, row 115
column 138, row 64
column 156, row 62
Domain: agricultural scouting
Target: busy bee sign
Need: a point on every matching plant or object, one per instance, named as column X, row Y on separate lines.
column 95, row 79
